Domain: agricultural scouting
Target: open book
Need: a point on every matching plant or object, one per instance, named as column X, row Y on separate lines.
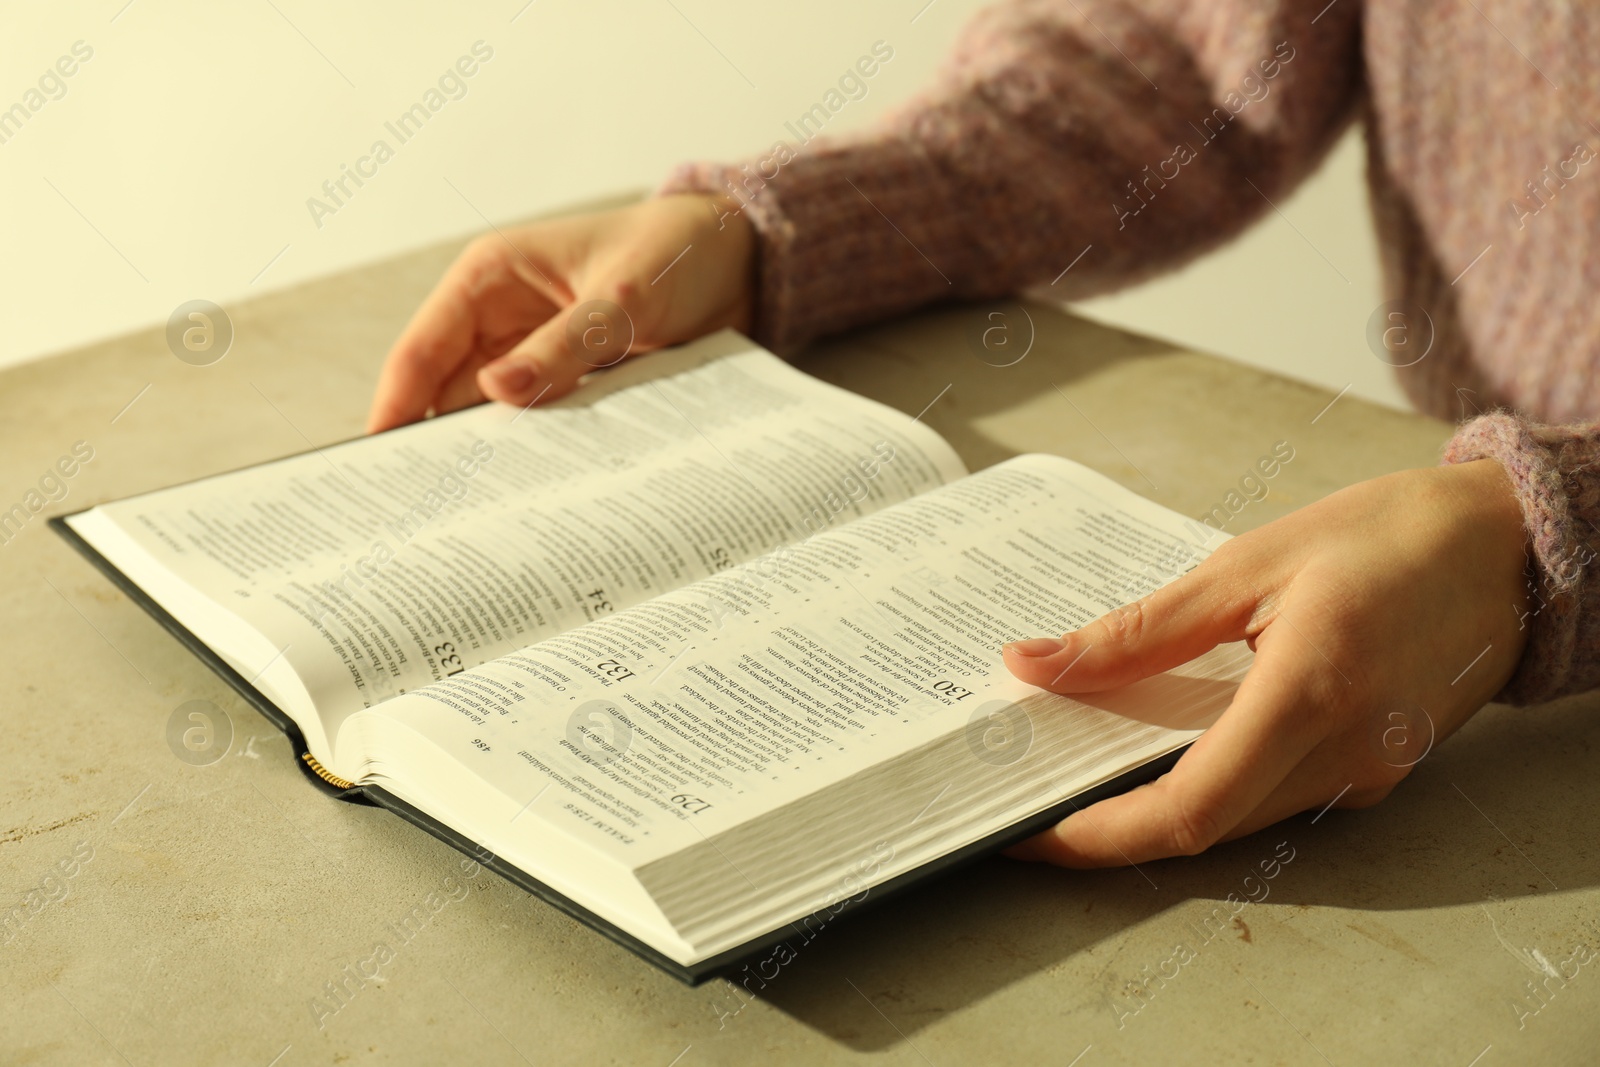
column 704, row 654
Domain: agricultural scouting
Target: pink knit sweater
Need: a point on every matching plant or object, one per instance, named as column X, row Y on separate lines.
column 1150, row 131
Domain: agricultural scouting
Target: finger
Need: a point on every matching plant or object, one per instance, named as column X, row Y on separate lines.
column 436, row 339
column 594, row 333
column 461, row 389
column 1324, row 780
column 1224, row 777
column 1307, row 788
column 1304, row 790
column 482, row 304
column 1210, row 605
column 539, row 368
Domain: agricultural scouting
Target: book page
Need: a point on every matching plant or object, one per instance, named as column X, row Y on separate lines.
column 389, row 562
column 676, row 721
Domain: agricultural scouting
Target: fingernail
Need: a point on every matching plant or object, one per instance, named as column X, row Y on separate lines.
column 1038, row 646
column 514, row 378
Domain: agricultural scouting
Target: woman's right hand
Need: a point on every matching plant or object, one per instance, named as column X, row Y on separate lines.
column 500, row 324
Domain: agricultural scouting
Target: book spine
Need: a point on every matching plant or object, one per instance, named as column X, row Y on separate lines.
column 326, row 775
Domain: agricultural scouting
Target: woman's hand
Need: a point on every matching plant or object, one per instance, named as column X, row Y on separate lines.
column 500, row 322
column 1382, row 617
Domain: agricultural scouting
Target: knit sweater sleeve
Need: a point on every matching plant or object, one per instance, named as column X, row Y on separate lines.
column 1081, row 144
column 1556, row 473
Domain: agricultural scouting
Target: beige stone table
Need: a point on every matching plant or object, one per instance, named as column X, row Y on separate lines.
column 163, row 913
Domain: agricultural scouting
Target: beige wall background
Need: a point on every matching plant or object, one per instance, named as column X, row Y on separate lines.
column 176, row 162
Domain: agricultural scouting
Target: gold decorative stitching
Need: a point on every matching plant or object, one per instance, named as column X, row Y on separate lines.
column 325, row 774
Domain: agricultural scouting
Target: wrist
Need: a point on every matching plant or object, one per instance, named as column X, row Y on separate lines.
column 1489, row 553
column 1492, row 514
column 1485, row 498
column 738, row 250
column 1488, row 499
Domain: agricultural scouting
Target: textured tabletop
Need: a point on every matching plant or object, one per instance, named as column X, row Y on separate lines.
column 166, row 913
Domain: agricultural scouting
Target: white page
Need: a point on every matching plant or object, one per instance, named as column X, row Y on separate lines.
column 844, row 651
column 385, row 563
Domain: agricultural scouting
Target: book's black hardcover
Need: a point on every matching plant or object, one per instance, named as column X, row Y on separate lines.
column 725, row 964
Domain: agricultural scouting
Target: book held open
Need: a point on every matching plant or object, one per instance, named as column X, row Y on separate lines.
column 701, row 653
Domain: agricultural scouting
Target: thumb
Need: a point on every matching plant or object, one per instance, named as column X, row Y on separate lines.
column 1156, row 633
column 590, row 333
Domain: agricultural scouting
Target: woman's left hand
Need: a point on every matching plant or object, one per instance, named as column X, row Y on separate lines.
column 1382, row 617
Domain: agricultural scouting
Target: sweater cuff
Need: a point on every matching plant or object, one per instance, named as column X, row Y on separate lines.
column 1547, row 487
column 847, row 234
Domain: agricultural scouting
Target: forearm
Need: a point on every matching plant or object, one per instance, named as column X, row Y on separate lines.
column 1047, row 136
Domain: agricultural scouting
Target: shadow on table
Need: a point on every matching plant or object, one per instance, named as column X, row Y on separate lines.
column 1501, row 811
column 959, row 365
